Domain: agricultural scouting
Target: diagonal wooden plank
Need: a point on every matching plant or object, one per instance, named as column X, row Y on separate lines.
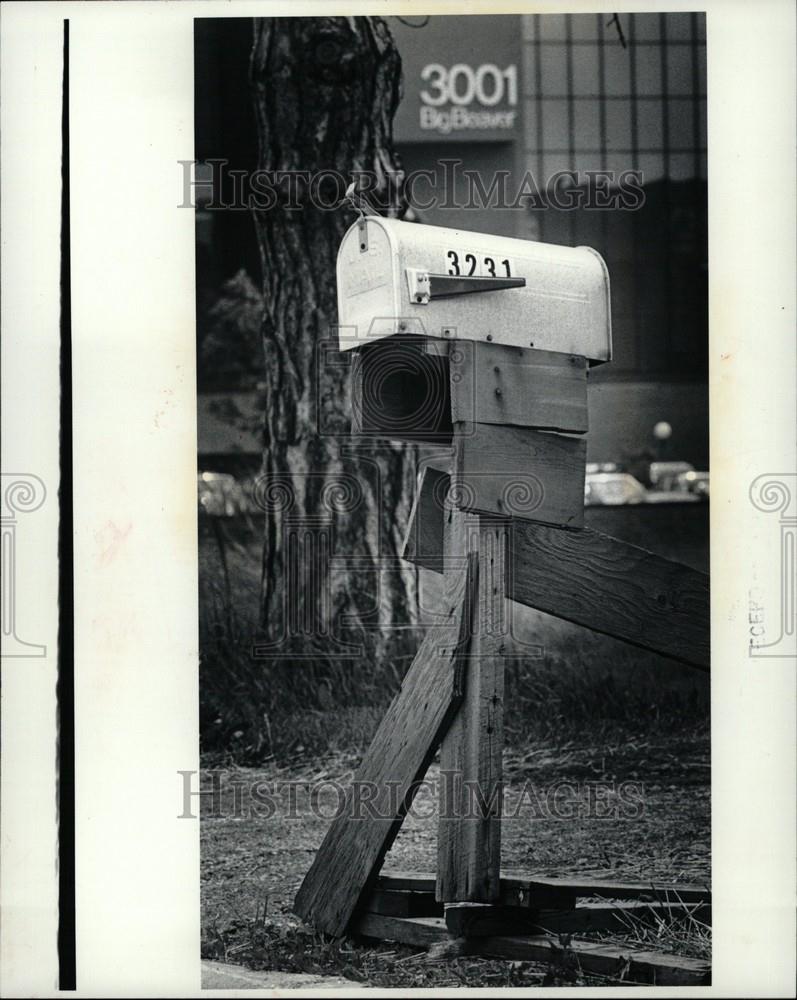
column 376, row 802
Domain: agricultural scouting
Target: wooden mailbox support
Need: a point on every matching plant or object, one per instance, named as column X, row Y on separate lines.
column 502, row 518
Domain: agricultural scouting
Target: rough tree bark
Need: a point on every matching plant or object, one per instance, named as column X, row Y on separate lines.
column 325, row 91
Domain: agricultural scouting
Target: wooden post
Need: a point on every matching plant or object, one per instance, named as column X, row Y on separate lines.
column 471, row 773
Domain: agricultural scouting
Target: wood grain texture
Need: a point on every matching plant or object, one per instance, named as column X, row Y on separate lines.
column 543, row 892
column 619, row 962
column 408, row 736
column 471, row 756
column 420, row 932
column 613, row 587
column 603, row 583
column 479, row 920
column 402, row 903
column 629, row 964
column 521, row 473
column 674, row 892
column 587, row 917
column 497, row 384
column 516, row 891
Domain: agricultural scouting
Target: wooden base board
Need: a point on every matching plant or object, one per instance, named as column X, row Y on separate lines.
column 480, row 920
column 540, row 892
column 619, row 962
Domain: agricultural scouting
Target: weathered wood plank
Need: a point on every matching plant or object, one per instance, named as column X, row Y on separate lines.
column 471, row 756
column 618, row 962
column 687, row 892
column 405, row 743
column 497, row 384
column 520, row 473
column 603, row 583
column 515, row 891
column 419, row 932
column 613, row 587
column 544, row 892
column 402, row 903
column 479, row 920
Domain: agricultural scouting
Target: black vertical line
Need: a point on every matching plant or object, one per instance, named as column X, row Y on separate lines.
column 541, row 179
column 571, row 122
column 65, row 685
column 637, row 359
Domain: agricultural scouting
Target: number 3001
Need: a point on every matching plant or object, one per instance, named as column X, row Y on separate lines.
column 461, row 83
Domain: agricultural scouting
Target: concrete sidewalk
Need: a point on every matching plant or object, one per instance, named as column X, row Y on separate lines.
column 222, row 976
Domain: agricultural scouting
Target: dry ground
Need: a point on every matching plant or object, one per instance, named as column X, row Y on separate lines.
column 252, row 865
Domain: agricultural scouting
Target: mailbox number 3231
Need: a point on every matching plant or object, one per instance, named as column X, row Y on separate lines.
column 469, row 264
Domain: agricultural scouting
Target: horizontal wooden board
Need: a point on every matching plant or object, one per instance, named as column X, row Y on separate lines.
column 498, row 384
column 618, row 962
column 686, row 892
column 479, row 920
column 520, row 473
column 514, row 891
column 519, row 887
column 613, row 587
column 419, row 932
column 402, row 903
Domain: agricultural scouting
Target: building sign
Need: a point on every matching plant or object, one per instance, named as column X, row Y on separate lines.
column 461, row 79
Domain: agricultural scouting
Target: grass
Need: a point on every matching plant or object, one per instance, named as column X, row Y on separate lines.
column 586, row 708
column 263, row 945
column 252, row 710
column 681, row 933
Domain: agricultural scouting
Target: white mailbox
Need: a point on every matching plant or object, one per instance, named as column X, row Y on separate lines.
column 405, row 278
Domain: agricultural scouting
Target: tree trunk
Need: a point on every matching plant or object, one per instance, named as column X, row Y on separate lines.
column 325, row 91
